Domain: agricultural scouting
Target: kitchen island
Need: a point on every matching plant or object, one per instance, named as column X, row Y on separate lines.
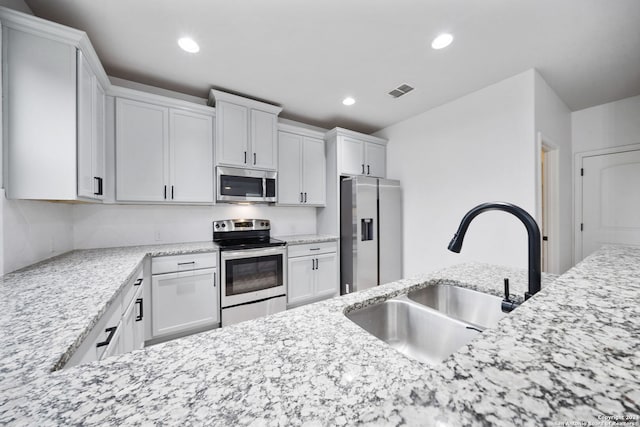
column 569, row 354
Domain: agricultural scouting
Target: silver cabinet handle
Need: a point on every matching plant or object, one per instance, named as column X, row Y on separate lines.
column 214, row 279
column 363, row 169
column 305, row 197
column 186, row 263
column 313, row 264
column 254, row 158
column 314, row 249
column 301, row 199
column 368, row 171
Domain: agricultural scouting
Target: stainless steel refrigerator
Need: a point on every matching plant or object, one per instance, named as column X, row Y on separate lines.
column 370, row 233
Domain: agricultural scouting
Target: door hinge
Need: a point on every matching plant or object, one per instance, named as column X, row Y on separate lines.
column 581, row 171
column 581, row 226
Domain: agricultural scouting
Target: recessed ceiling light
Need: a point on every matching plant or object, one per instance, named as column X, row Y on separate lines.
column 442, row 41
column 188, row 45
column 348, row 101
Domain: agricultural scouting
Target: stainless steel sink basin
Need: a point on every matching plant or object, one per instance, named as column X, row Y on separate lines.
column 477, row 308
column 414, row 330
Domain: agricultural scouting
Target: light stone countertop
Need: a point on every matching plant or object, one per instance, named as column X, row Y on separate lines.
column 570, row 353
column 48, row 308
column 299, row 239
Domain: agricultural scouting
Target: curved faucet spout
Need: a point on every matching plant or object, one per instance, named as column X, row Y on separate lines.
column 532, row 230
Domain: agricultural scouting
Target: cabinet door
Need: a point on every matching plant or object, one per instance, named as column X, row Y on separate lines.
column 352, row 156
column 142, row 136
column 128, row 327
column 86, row 121
column 289, row 169
column 264, row 146
column 132, row 325
column 376, row 160
column 99, row 137
column 115, row 346
column 313, row 172
column 326, row 284
column 191, row 154
column 232, row 134
column 300, row 280
column 39, row 116
column 184, row 301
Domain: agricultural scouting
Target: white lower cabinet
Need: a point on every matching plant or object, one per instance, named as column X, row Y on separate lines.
column 301, row 280
column 313, row 273
column 133, row 324
column 186, row 299
column 119, row 330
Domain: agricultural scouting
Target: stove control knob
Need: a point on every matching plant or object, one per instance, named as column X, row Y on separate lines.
column 217, row 225
column 224, row 225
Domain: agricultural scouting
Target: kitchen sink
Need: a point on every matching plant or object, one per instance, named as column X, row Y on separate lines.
column 414, row 330
column 463, row 304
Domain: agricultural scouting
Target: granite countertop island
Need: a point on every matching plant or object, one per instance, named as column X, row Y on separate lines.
column 569, row 354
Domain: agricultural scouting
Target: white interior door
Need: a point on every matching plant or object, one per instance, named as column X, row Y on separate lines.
column 610, row 200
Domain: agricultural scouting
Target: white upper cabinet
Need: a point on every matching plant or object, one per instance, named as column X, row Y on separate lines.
column 246, row 131
column 375, row 156
column 313, row 171
column 301, row 167
column 142, row 160
column 352, row 154
column 290, row 169
column 191, row 155
column 360, row 155
column 264, row 142
column 53, row 115
column 232, row 139
column 163, row 154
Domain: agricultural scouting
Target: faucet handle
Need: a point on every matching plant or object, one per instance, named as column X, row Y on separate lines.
column 507, row 304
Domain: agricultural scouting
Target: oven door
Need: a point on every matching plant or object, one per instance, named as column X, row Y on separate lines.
column 245, row 185
column 252, row 275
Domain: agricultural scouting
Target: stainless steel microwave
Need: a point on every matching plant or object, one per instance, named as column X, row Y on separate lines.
column 245, row 185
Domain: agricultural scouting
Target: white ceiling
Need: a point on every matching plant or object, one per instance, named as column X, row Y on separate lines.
column 308, row 55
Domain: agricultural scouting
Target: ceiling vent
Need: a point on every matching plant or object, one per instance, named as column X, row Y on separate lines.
column 401, row 90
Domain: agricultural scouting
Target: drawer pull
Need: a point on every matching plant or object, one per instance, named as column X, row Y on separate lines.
column 138, row 282
column 314, row 249
column 186, row 263
column 112, row 331
column 139, row 316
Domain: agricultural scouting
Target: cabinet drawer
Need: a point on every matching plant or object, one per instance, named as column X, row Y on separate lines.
column 131, row 289
column 312, row 249
column 176, row 263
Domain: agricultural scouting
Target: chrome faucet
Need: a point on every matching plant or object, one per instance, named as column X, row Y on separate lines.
column 534, row 244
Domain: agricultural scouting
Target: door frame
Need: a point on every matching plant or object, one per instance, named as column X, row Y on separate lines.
column 552, row 168
column 577, row 191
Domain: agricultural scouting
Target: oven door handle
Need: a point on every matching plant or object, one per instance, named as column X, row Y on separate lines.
column 252, row 253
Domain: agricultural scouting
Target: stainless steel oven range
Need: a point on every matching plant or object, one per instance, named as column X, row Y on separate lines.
column 253, row 278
